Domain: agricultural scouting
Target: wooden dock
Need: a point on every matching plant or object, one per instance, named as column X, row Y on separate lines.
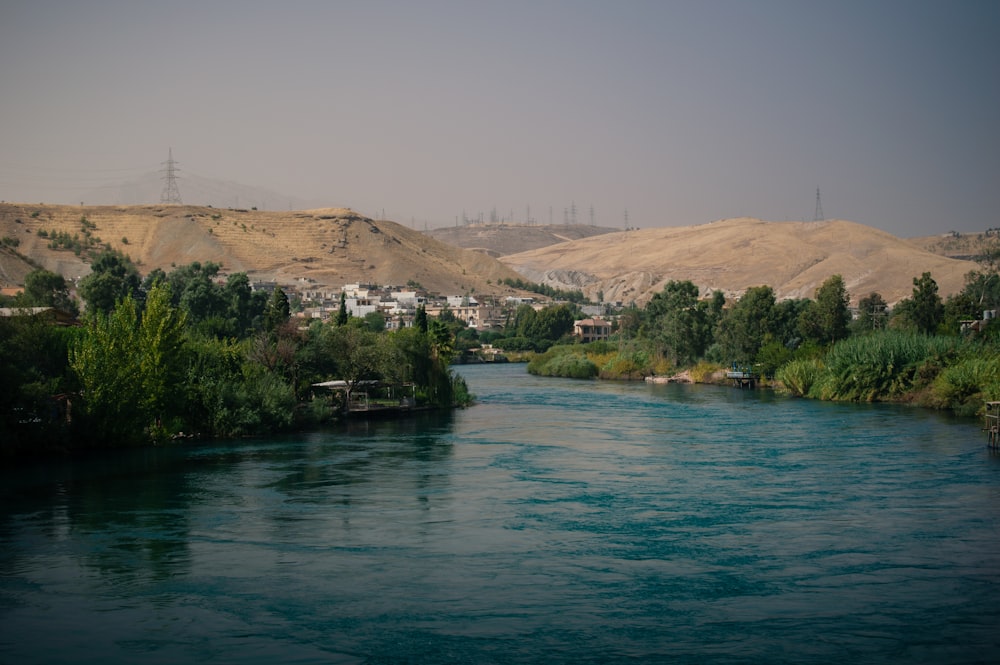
column 743, row 377
column 993, row 424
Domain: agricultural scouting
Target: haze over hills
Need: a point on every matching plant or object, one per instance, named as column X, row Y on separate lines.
column 309, row 248
column 794, row 258
column 327, row 248
column 194, row 190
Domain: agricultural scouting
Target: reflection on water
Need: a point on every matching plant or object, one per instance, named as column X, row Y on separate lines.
column 556, row 520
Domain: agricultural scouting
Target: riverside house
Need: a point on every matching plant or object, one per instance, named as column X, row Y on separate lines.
column 592, row 330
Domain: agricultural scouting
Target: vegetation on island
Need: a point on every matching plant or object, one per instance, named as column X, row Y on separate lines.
column 924, row 351
column 179, row 353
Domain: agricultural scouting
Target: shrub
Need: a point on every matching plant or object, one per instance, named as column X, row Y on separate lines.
column 574, row 366
column 703, row 371
column 879, row 366
column 626, row 365
column 563, row 362
column 460, row 391
column 967, row 384
column 798, row 376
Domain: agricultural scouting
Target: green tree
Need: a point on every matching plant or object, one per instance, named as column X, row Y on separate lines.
column 113, row 277
column 826, row 319
column 872, row 313
column 277, row 311
column 362, row 355
column 982, row 290
column 43, row 288
column 446, row 315
column 197, row 293
column 440, row 386
column 786, row 318
column 105, row 364
column 130, row 368
column 420, row 319
column 240, row 303
column 342, row 313
column 747, row 325
column 524, row 321
column 678, row 321
column 160, row 339
column 552, row 323
column 922, row 312
column 375, row 321
column 34, row 370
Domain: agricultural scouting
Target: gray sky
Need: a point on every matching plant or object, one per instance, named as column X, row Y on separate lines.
column 681, row 112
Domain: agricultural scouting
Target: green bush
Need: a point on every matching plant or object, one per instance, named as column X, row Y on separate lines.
column 626, row 365
column 967, row 384
column 460, row 391
column 879, row 366
column 562, row 362
column 799, row 376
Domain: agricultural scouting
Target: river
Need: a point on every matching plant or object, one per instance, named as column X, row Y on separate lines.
column 556, row 521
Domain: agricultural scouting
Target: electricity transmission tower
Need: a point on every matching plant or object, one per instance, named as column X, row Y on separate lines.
column 170, row 192
column 818, row 217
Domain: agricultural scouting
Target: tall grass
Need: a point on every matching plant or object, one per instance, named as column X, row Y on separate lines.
column 629, row 363
column 799, row 376
column 879, row 366
column 966, row 385
column 563, row 361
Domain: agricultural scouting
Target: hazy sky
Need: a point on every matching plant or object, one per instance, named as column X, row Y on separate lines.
column 681, row 112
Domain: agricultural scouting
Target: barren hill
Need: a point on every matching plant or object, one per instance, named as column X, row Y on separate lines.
column 794, row 258
column 502, row 239
column 327, row 247
column 968, row 246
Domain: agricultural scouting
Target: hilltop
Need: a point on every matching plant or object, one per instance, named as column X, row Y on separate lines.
column 794, row 258
column 502, row 239
column 324, row 247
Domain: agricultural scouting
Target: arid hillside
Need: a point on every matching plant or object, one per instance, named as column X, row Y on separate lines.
column 968, row 246
column 502, row 239
column 794, row 258
column 328, row 247
column 336, row 246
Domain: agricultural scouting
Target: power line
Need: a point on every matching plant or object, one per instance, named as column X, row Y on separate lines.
column 171, row 194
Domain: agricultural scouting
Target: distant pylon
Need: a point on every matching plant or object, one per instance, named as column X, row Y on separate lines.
column 818, row 217
column 170, row 192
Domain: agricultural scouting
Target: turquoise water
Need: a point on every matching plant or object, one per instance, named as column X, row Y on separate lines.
column 556, row 521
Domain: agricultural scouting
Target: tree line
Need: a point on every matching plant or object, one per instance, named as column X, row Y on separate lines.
column 179, row 353
column 920, row 350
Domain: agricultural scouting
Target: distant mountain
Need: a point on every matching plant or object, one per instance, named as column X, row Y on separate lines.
column 794, row 258
column 502, row 239
column 194, row 190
